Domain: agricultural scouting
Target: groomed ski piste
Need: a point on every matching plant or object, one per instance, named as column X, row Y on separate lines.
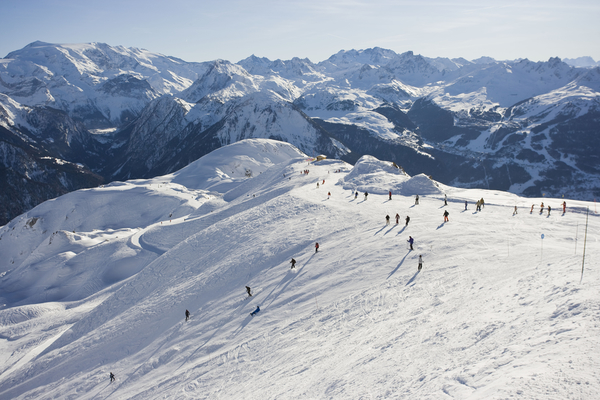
column 98, row 281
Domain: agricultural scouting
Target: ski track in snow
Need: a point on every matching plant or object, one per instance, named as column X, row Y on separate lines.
column 496, row 312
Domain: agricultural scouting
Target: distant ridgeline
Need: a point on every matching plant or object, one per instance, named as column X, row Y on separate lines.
column 75, row 116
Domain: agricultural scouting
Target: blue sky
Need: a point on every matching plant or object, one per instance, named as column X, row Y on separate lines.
column 232, row 30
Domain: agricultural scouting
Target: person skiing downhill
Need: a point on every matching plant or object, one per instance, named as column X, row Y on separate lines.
column 564, row 204
column 420, row 263
column 366, row 194
column 446, row 213
column 531, row 212
column 541, row 208
column 248, row 290
column 112, row 377
column 355, row 195
column 466, row 205
column 397, row 219
column 515, row 211
column 293, row 262
column 390, row 193
column 387, row 219
column 417, row 200
column 407, row 220
column 253, row 313
column 445, row 200
column 410, row 242
column 187, row 315
column 328, row 194
column 549, row 209
column 316, row 247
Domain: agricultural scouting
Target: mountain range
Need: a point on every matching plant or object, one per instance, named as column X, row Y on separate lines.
column 82, row 115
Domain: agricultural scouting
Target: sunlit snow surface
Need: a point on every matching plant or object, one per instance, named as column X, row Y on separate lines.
column 98, row 281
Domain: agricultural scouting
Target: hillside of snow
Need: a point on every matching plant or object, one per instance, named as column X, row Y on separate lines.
column 75, row 116
column 98, row 281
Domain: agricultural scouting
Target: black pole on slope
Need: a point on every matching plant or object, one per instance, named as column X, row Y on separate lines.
column 584, row 243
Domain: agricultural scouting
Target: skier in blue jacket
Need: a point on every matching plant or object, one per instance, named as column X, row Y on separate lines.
column 255, row 311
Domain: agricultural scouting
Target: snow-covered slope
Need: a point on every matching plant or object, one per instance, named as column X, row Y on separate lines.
column 98, row 281
column 229, row 166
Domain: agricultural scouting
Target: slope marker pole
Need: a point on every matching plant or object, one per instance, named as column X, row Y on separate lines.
column 584, row 243
column 542, row 247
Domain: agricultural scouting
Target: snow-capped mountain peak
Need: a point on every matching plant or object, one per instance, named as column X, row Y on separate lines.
column 125, row 113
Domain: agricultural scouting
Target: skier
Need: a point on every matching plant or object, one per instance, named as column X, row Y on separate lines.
column 366, row 194
column 445, row 200
column 397, row 219
column 410, row 242
column 407, row 220
column 253, row 313
column 465, row 205
column 478, row 206
column 387, row 219
column 564, row 204
column 316, row 247
column 417, row 200
column 323, row 181
column 317, row 185
column 446, row 213
column 112, row 377
column 187, row 315
column 328, row 194
column 356, row 195
column 248, row 290
column 515, row 212
column 549, row 208
column 390, row 194
column 541, row 208
column 293, row 262
column 531, row 212
column 420, row 262
column 482, row 203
